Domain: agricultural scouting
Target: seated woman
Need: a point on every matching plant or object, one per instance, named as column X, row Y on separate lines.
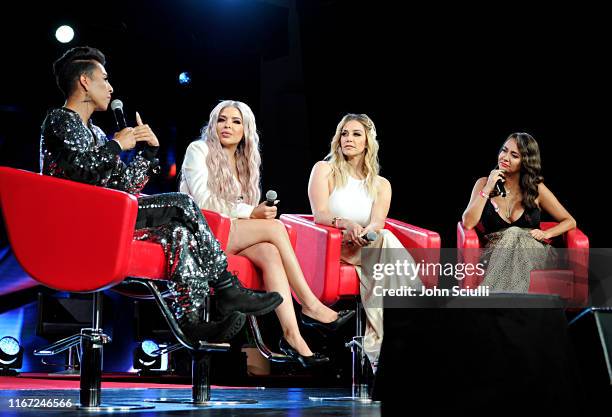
column 221, row 173
column 515, row 245
column 346, row 192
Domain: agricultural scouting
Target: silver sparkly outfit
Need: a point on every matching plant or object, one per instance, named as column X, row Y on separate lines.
column 71, row 150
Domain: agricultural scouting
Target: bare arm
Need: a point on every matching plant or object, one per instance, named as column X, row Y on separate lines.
column 550, row 204
column 473, row 212
column 380, row 207
column 318, row 193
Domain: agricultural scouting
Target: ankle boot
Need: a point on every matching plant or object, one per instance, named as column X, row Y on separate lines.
column 213, row 331
column 231, row 296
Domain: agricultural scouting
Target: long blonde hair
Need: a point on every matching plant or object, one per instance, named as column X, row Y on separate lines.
column 248, row 160
column 337, row 160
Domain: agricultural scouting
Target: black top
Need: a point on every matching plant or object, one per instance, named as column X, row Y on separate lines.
column 72, row 150
column 492, row 221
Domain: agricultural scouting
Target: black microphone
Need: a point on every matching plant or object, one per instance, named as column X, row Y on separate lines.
column 271, row 198
column 499, row 188
column 117, row 107
column 370, row 236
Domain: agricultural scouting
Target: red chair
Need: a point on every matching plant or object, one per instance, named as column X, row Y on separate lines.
column 570, row 284
column 318, row 251
column 49, row 222
column 250, row 276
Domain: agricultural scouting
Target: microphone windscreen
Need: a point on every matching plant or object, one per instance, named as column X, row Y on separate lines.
column 371, row 236
column 117, row 104
column 271, row 195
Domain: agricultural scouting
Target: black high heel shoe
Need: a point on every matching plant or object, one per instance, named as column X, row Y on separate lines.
column 306, row 361
column 343, row 317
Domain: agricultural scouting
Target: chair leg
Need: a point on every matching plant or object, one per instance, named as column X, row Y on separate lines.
column 360, row 390
column 200, row 374
column 360, row 387
column 261, row 345
column 200, row 371
column 92, row 343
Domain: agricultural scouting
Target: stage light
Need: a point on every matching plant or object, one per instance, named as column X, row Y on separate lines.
column 11, row 355
column 184, row 78
column 144, row 357
column 64, row 34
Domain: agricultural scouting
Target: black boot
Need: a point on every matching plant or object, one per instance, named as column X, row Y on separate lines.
column 213, row 331
column 231, row 296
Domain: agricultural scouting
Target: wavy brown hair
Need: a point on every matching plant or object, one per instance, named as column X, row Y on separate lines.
column 531, row 167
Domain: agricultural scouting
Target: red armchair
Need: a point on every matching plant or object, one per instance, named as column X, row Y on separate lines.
column 318, row 251
column 49, row 222
column 570, row 284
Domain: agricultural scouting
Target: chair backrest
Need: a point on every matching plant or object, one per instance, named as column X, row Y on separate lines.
column 67, row 235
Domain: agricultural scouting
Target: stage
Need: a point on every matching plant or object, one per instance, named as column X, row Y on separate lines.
column 293, row 402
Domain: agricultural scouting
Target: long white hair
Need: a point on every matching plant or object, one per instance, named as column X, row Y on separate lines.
column 248, row 160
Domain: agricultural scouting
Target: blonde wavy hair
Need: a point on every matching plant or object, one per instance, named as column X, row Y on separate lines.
column 337, row 160
column 248, row 160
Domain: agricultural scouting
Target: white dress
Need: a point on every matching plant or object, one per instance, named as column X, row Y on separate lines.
column 353, row 202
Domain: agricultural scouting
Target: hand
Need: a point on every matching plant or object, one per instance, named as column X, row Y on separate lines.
column 538, row 234
column 263, row 211
column 494, row 176
column 126, row 138
column 353, row 233
column 144, row 133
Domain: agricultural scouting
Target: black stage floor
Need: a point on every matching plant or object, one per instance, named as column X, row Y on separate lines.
column 271, row 402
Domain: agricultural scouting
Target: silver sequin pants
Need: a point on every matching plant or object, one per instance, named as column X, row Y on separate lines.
column 194, row 256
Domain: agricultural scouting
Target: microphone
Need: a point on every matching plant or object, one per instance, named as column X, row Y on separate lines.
column 271, row 198
column 499, row 188
column 117, row 107
column 370, row 236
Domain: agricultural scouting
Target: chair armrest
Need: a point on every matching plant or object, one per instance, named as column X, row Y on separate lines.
column 578, row 256
column 292, row 234
column 423, row 245
column 413, row 236
column 220, row 225
column 467, row 238
column 67, row 235
column 318, row 249
column 468, row 252
column 577, row 244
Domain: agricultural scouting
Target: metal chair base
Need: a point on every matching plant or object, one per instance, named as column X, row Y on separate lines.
column 115, row 407
column 201, row 403
column 361, row 400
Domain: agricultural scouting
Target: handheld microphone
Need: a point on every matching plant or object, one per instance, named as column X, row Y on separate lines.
column 117, row 107
column 271, row 198
column 370, row 236
column 499, row 188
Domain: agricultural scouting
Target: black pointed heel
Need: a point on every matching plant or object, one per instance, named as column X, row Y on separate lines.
column 343, row 317
column 306, row 361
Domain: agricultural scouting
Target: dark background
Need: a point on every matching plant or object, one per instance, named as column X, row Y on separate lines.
column 445, row 87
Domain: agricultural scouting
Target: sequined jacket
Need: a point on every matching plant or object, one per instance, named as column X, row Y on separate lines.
column 71, row 150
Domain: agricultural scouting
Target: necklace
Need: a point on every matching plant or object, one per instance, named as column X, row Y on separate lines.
column 509, row 208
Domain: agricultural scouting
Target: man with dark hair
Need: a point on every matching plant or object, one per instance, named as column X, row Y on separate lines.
column 72, row 147
column 77, row 61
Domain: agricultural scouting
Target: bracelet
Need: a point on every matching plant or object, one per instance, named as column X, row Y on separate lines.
column 483, row 195
column 335, row 222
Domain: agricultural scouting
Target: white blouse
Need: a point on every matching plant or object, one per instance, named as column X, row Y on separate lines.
column 351, row 202
column 194, row 181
